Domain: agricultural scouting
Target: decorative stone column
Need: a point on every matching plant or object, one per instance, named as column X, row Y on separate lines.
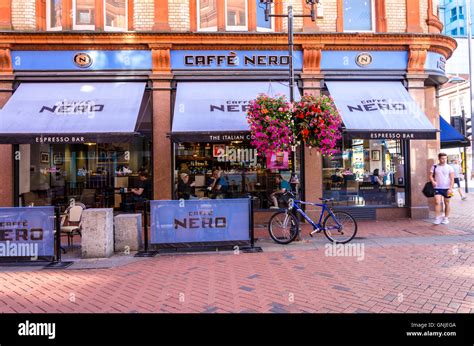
column 423, row 153
column 128, row 232
column 6, row 150
column 97, row 239
column 313, row 163
column 161, row 78
column 161, row 16
column 5, row 14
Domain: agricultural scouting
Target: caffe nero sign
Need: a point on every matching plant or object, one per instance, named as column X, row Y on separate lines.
column 219, row 59
column 378, row 105
column 66, row 107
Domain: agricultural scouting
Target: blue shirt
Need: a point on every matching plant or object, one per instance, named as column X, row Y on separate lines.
column 285, row 185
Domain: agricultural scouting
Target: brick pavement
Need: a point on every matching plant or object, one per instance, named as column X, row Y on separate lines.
column 405, row 266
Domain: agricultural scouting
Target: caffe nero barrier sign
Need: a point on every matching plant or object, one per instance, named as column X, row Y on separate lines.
column 26, row 232
column 243, row 59
column 200, row 221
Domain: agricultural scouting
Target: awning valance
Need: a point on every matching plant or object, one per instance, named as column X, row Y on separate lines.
column 216, row 111
column 58, row 113
column 380, row 110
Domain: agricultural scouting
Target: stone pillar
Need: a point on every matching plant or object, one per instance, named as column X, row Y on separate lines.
column 308, row 24
column 161, row 83
column 5, row 14
column 413, row 16
column 97, row 233
column 161, row 16
column 313, row 163
column 128, row 232
column 6, row 157
column 423, row 153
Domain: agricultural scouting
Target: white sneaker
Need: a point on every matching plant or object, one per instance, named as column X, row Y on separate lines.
column 437, row 221
column 273, row 207
column 445, row 221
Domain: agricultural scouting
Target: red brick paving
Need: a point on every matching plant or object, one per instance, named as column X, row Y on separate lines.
column 395, row 278
column 430, row 276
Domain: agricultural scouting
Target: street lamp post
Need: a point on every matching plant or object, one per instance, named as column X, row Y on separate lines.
column 458, row 80
column 469, row 38
column 290, row 15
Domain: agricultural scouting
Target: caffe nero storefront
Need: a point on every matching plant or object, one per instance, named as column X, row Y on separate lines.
column 87, row 134
column 78, row 138
column 210, row 132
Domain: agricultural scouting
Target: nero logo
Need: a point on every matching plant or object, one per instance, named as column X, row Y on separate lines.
column 373, row 105
column 205, row 222
column 73, row 107
column 231, row 106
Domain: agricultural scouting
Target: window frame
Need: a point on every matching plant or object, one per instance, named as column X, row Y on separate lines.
column 48, row 17
column 80, row 26
column 272, row 20
column 237, row 28
column 372, row 19
column 111, row 28
column 198, row 15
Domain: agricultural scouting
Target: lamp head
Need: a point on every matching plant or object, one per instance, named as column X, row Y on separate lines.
column 456, row 79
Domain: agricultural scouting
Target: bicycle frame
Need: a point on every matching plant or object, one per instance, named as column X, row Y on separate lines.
column 317, row 226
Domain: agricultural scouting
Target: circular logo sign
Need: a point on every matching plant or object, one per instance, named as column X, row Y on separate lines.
column 82, row 60
column 364, row 59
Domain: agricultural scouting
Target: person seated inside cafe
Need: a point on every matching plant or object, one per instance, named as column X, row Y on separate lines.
column 375, row 179
column 337, row 178
column 217, row 185
column 282, row 187
column 185, row 188
column 143, row 191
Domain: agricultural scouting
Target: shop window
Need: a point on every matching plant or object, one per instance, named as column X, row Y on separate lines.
column 366, row 172
column 84, row 14
column 236, row 15
column 358, row 15
column 115, row 15
column 238, row 171
column 207, row 15
column 97, row 175
column 54, row 10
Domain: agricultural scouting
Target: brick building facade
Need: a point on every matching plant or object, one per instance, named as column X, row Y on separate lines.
column 163, row 27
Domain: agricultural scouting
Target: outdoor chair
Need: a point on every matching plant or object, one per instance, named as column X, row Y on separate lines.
column 71, row 223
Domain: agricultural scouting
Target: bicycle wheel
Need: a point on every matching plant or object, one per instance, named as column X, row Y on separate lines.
column 283, row 227
column 344, row 231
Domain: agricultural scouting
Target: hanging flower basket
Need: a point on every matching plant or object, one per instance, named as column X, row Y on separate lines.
column 271, row 124
column 318, row 123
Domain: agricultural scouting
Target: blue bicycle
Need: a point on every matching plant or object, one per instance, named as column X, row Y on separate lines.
column 338, row 226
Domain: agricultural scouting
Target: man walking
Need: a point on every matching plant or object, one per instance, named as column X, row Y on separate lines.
column 457, row 174
column 442, row 177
